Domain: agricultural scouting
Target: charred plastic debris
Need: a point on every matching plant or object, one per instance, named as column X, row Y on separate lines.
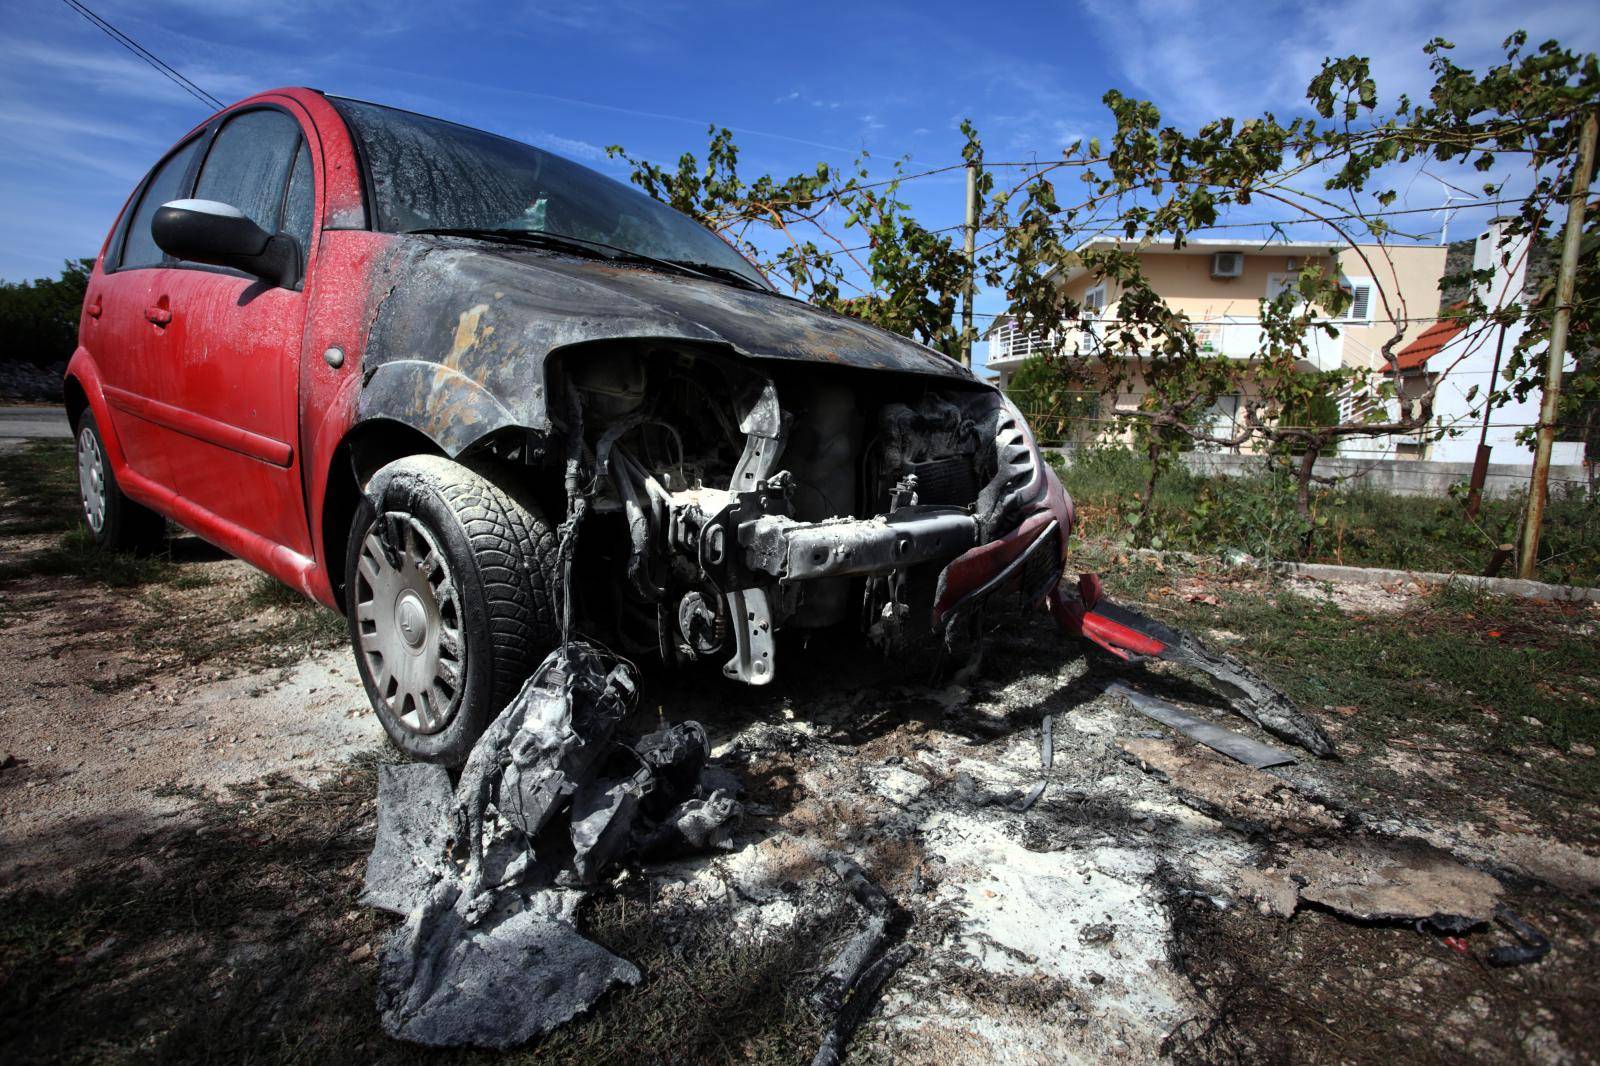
column 489, row 872
column 549, row 801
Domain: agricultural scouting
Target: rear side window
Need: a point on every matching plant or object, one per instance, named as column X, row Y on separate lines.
column 249, row 164
column 300, row 201
column 165, row 184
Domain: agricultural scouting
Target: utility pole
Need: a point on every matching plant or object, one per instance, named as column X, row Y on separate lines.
column 1539, row 490
column 970, row 248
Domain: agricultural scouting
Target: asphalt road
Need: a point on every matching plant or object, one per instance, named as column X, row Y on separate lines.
column 33, row 423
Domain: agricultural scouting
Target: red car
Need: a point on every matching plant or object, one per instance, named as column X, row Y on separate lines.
column 387, row 358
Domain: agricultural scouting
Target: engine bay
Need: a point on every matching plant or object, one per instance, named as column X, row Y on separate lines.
column 731, row 499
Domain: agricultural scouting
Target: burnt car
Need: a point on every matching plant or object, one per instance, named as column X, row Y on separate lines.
column 398, row 363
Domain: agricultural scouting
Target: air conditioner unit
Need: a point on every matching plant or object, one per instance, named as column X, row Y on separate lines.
column 1227, row 264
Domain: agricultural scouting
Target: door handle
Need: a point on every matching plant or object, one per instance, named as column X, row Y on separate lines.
column 161, row 316
column 93, row 310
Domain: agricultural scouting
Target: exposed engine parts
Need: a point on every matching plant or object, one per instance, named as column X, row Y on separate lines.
column 702, row 623
column 742, row 504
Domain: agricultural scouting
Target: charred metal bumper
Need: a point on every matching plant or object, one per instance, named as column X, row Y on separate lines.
column 746, row 546
column 1083, row 612
column 799, row 551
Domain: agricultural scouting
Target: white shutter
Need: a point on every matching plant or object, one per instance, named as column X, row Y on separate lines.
column 1361, row 304
column 1361, row 296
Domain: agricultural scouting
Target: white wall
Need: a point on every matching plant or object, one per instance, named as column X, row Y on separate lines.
column 1469, row 359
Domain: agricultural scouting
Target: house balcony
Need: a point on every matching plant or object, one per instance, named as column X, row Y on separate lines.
column 1230, row 336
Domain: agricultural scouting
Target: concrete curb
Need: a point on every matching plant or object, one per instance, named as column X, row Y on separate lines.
column 1503, row 586
column 1362, row 575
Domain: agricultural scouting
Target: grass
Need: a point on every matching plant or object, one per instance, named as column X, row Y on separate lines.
column 255, row 627
column 1354, row 526
column 262, row 624
column 40, row 484
column 1494, row 678
column 75, row 554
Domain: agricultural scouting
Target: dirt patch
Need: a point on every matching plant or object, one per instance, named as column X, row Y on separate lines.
column 136, row 681
column 1322, row 989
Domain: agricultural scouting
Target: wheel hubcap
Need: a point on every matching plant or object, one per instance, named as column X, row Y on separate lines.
column 408, row 622
column 91, row 480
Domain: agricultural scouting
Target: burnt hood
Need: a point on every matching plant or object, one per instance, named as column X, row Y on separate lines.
column 460, row 330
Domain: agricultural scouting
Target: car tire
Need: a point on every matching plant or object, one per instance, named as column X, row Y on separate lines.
column 114, row 521
column 450, row 587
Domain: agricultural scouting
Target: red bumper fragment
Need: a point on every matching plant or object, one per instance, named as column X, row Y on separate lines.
column 999, row 565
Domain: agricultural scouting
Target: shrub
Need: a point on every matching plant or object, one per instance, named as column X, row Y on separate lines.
column 1355, row 526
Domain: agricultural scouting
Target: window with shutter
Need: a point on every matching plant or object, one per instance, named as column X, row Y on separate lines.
column 1361, row 297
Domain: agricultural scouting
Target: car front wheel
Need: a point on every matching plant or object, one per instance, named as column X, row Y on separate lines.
column 449, row 583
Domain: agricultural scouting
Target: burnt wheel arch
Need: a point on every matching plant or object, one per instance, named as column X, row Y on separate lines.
column 374, row 444
column 366, row 449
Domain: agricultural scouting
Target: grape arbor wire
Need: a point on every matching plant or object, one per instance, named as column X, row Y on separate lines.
column 847, row 241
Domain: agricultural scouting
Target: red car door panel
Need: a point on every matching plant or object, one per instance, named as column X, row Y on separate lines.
column 226, row 382
column 125, row 338
column 230, row 395
column 124, row 360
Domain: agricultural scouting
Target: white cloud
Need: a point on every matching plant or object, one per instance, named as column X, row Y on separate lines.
column 42, row 119
column 1199, row 61
column 115, row 72
column 570, row 147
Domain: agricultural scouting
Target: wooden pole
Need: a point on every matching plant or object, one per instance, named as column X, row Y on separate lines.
column 1539, row 490
column 969, row 247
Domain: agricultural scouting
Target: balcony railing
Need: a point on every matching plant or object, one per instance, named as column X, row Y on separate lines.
column 1233, row 337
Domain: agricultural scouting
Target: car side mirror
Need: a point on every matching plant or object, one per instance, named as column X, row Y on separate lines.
column 207, row 231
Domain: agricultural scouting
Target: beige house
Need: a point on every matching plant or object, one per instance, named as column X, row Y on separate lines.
column 1219, row 284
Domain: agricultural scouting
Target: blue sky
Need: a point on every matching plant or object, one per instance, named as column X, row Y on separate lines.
column 81, row 119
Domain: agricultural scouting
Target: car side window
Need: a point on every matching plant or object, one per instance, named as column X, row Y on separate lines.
column 166, row 183
column 299, row 202
column 248, row 165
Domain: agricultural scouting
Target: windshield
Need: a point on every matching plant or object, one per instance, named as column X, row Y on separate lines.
column 430, row 174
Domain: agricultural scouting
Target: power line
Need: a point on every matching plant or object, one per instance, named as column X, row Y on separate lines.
column 826, row 254
column 1376, row 320
column 139, row 50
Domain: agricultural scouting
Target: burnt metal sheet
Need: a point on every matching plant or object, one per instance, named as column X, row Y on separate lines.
column 1235, row 746
column 1030, row 799
column 408, row 854
column 1250, row 695
column 494, row 315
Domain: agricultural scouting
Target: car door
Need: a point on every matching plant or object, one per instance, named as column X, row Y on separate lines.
column 124, row 332
column 228, row 380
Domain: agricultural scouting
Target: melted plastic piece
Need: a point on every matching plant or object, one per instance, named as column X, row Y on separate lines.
column 489, row 955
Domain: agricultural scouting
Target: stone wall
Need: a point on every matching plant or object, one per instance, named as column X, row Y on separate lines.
column 1400, row 477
